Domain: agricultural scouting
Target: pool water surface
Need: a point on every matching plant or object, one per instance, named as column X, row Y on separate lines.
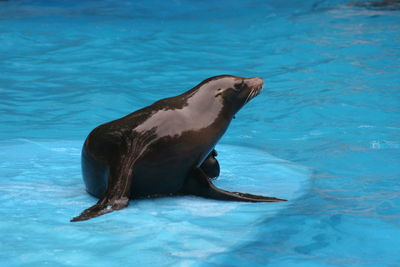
column 324, row 133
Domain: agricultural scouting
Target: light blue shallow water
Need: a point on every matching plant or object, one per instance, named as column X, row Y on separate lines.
column 325, row 132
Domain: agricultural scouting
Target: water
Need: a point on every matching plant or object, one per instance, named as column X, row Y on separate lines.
column 324, row 133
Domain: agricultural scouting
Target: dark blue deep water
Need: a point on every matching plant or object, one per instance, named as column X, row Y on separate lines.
column 324, row 133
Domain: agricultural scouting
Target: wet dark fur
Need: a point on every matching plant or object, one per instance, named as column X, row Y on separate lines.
column 166, row 148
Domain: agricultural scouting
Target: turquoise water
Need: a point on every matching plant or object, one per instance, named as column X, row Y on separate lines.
column 325, row 132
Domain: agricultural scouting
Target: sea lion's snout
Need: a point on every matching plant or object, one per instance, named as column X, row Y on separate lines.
column 254, row 87
column 256, row 82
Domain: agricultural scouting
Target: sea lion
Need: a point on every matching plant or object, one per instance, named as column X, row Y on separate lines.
column 166, row 148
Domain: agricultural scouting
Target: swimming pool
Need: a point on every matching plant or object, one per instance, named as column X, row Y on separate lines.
column 324, row 133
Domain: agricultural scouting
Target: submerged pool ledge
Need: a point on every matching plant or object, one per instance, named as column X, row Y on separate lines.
column 41, row 189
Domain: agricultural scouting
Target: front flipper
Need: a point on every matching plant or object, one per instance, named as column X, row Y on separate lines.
column 103, row 206
column 198, row 184
column 116, row 196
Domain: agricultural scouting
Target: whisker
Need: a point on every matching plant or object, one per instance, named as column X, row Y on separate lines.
column 249, row 96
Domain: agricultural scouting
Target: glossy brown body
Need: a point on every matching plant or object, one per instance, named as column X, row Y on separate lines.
column 165, row 148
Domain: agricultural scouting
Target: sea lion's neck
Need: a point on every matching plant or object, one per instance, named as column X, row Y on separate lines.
column 194, row 111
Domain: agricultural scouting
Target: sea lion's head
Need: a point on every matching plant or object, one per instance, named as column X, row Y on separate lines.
column 234, row 92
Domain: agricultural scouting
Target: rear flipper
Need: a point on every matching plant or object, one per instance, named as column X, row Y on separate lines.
column 198, row 184
column 210, row 166
column 115, row 198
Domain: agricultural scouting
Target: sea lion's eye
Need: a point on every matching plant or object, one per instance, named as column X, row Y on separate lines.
column 239, row 86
